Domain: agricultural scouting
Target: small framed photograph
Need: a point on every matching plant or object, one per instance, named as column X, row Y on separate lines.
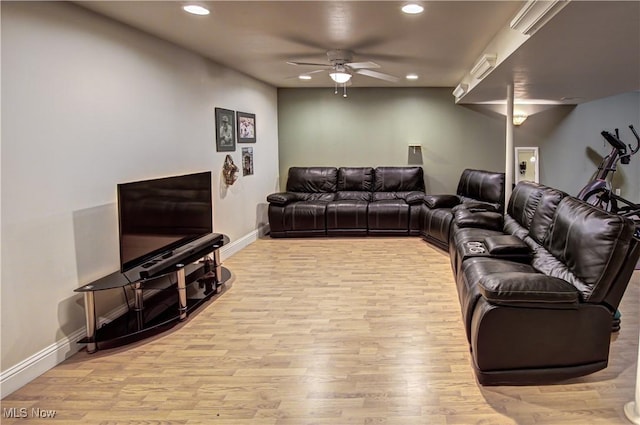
column 225, row 130
column 247, row 161
column 246, row 127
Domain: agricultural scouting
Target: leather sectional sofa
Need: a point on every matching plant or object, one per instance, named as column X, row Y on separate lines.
column 348, row 201
column 476, row 188
column 539, row 286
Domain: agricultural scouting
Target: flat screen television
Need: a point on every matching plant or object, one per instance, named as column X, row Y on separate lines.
column 159, row 215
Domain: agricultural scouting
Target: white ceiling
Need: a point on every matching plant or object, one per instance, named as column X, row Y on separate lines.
column 589, row 50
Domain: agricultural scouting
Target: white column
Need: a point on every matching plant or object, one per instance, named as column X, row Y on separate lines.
column 632, row 409
column 508, row 163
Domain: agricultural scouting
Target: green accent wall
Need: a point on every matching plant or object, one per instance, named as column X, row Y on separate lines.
column 376, row 126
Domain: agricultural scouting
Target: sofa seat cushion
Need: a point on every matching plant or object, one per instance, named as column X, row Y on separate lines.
column 347, row 214
column 388, row 214
column 517, row 289
column 353, row 195
column 305, row 215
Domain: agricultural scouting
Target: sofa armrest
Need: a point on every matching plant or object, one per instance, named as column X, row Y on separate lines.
column 282, row 198
column 533, row 290
column 414, row 198
column 479, row 206
column 441, row 201
column 482, row 219
column 506, row 245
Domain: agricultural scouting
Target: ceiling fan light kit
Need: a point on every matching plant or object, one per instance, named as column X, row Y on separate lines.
column 340, row 77
column 341, row 68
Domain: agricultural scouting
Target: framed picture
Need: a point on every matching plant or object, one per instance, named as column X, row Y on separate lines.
column 225, row 130
column 246, row 127
column 247, row 161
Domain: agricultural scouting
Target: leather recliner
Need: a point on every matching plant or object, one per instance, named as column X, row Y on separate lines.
column 476, row 188
column 539, row 286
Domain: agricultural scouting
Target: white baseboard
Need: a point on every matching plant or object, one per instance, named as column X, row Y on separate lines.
column 24, row 372
column 27, row 370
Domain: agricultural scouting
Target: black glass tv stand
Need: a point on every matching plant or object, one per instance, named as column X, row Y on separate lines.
column 180, row 284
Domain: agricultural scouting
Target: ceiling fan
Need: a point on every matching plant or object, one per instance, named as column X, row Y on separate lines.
column 341, row 68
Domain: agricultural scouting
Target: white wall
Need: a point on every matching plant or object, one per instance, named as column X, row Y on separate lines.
column 88, row 103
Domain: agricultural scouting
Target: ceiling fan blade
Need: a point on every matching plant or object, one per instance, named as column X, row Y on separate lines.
column 309, row 64
column 379, row 75
column 306, row 73
column 313, row 72
column 362, row 65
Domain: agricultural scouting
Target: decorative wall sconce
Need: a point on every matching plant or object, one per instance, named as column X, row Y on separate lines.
column 518, row 119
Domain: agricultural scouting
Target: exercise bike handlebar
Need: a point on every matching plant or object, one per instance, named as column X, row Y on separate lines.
column 633, row 130
column 615, row 142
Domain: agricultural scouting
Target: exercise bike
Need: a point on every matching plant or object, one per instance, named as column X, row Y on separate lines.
column 598, row 191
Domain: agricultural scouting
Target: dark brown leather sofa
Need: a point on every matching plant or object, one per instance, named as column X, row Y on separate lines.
column 476, row 188
column 538, row 286
column 348, row 201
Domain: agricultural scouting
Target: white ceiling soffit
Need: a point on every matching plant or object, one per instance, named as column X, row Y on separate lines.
column 532, row 16
column 585, row 51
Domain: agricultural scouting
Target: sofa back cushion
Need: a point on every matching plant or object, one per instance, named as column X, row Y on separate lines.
column 523, row 202
column 590, row 245
column 543, row 214
column 398, row 179
column 312, row 179
column 481, row 185
column 355, row 179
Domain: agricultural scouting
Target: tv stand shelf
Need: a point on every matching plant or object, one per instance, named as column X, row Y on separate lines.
column 180, row 288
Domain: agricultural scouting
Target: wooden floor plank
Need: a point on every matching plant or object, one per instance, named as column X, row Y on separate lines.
column 340, row 331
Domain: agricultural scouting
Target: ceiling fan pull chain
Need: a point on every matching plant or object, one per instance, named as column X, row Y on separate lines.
column 345, row 90
column 336, row 88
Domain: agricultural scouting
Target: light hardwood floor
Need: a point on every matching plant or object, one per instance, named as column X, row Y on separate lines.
column 323, row 331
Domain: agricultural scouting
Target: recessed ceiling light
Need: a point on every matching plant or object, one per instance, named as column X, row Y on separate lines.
column 304, row 77
column 195, row 9
column 412, row 8
column 411, row 77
